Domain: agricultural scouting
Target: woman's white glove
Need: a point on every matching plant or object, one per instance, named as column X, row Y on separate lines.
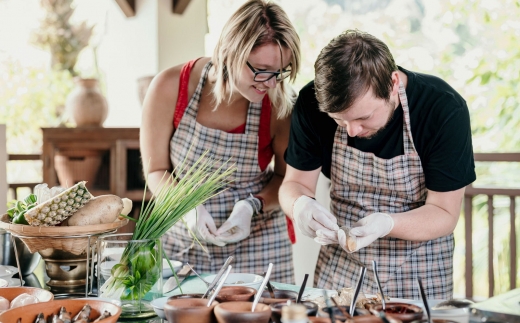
column 201, row 223
column 238, row 226
column 366, row 231
column 310, row 217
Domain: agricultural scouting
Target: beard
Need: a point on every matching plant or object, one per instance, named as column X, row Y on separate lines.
column 391, row 108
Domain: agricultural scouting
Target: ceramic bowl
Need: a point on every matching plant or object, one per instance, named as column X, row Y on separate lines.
column 235, row 293
column 239, row 279
column 28, row 313
column 158, row 303
column 279, row 295
column 184, row 310
column 232, row 312
column 158, row 306
column 7, row 272
column 276, row 309
column 3, row 283
column 400, row 311
column 41, row 294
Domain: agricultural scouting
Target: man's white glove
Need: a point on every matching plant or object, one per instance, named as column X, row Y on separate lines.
column 201, row 223
column 238, row 226
column 310, row 217
column 365, row 231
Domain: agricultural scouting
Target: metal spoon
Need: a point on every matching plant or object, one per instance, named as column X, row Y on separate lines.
column 217, row 277
column 376, row 276
column 424, row 300
column 362, row 272
column 262, row 286
column 219, row 286
column 193, row 270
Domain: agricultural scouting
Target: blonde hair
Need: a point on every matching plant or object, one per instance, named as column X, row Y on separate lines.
column 255, row 23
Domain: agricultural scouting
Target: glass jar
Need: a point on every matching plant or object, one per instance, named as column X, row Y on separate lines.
column 130, row 271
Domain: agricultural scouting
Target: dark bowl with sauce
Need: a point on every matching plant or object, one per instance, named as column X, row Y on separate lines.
column 403, row 312
column 279, row 296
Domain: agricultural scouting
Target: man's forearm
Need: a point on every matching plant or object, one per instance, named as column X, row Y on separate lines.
column 289, row 192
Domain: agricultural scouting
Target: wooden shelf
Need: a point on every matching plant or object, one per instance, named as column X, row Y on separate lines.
column 120, row 172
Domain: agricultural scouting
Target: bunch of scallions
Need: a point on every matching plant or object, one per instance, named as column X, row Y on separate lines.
column 137, row 272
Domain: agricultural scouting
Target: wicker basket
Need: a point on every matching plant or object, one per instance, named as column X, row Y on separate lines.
column 74, row 239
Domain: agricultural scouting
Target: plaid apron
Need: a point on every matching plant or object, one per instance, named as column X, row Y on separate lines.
column 269, row 240
column 362, row 184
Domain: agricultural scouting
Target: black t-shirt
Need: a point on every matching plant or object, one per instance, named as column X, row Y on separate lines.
column 440, row 125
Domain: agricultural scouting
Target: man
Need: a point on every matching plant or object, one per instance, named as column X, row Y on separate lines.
column 397, row 148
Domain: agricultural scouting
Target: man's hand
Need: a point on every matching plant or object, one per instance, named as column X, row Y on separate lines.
column 365, row 231
column 310, row 217
column 201, row 223
column 238, row 226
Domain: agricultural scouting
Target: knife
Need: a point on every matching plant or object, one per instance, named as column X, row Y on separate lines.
column 217, row 277
column 171, row 283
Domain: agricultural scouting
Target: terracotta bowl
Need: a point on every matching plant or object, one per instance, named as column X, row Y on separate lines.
column 236, row 294
column 279, row 295
column 28, row 313
column 276, row 309
column 41, row 294
column 400, row 311
column 435, row 321
column 235, row 312
column 185, row 296
column 182, row 310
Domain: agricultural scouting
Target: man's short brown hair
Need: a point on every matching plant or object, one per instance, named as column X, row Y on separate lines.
column 350, row 65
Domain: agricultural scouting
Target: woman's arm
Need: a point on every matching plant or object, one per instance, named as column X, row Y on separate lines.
column 157, row 126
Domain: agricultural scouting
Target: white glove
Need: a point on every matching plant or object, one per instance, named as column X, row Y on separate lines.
column 238, row 226
column 201, row 223
column 310, row 217
column 326, row 237
column 366, row 231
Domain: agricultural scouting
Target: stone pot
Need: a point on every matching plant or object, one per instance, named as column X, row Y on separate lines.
column 85, row 103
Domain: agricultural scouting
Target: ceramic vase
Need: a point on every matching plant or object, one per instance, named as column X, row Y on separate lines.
column 85, row 103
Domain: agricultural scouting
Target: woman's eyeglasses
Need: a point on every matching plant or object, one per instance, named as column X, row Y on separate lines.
column 263, row 76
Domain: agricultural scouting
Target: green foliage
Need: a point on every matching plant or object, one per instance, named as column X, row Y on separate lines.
column 30, row 98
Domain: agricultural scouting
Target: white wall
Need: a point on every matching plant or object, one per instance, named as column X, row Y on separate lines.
column 3, row 170
column 154, row 39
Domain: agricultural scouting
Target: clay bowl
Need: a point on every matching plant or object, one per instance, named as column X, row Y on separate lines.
column 28, row 313
column 276, row 309
column 435, row 321
column 41, row 294
column 279, row 295
column 338, row 314
column 237, row 312
column 182, row 310
column 400, row 311
column 185, row 296
column 236, row 294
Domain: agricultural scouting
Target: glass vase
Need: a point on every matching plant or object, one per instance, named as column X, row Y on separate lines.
column 130, row 271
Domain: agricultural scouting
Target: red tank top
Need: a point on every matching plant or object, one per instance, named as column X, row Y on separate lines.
column 265, row 151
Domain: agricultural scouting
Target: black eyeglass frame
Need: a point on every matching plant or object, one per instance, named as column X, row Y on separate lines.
column 273, row 74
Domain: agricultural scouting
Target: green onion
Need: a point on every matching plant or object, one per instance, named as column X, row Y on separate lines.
column 137, row 272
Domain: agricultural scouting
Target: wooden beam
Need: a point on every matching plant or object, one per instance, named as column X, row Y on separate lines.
column 127, row 6
column 178, row 6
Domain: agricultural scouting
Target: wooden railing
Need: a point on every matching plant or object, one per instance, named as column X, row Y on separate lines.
column 491, row 193
column 471, row 192
column 13, row 187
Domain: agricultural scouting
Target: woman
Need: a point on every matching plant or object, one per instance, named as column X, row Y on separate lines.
column 237, row 104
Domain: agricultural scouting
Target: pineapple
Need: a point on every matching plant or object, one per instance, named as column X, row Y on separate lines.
column 60, row 207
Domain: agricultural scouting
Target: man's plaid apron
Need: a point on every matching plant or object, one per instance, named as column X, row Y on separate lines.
column 362, row 184
column 269, row 240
